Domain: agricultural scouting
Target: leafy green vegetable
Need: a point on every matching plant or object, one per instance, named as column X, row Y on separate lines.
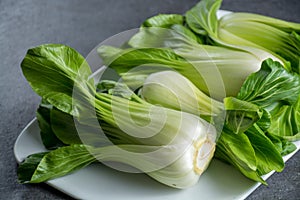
column 277, row 36
column 241, row 134
column 283, row 146
column 251, row 32
column 141, row 127
column 159, row 88
column 285, row 121
column 65, row 160
column 278, row 92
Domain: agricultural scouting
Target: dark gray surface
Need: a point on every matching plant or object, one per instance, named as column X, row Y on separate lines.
column 82, row 25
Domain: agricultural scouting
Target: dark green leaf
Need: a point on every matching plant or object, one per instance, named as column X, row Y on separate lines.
column 72, row 131
column 48, row 137
column 27, row 168
column 59, row 162
column 64, row 127
column 53, row 70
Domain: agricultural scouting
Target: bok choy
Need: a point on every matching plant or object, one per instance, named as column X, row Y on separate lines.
column 245, row 122
column 172, row 147
column 216, row 71
column 247, row 31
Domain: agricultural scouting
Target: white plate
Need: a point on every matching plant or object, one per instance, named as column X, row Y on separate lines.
column 219, row 182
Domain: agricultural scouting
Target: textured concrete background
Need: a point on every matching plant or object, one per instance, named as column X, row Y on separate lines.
column 81, row 25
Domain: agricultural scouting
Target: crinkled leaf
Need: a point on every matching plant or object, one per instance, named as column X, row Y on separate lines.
column 285, row 121
column 270, row 84
column 278, row 92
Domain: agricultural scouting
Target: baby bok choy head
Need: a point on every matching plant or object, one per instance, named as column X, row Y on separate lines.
column 245, row 124
column 248, row 31
column 171, row 146
column 216, row 71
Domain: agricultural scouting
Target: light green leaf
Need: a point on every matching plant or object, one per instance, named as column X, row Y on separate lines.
column 241, row 115
column 270, row 34
column 202, row 18
column 285, row 121
column 187, row 33
column 244, row 159
column 163, row 20
column 282, row 145
column 278, row 92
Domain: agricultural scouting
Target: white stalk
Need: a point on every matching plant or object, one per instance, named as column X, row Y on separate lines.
column 172, row 90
